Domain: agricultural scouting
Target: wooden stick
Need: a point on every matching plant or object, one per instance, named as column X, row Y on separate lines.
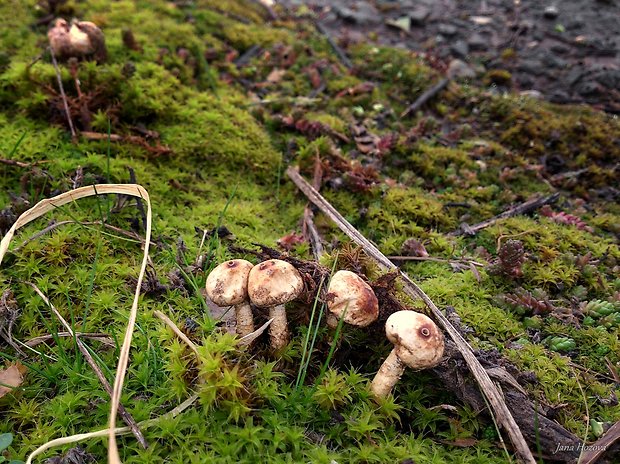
column 62, row 94
column 523, row 208
column 19, row 164
column 127, row 417
column 309, row 229
column 494, row 396
column 426, row 96
column 99, row 336
column 596, row 450
column 342, row 56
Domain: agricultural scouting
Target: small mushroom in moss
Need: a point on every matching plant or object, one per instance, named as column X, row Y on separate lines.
column 80, row 39
column 418, row 343
column 227, row 285
column 352, row 299
column 271, row 284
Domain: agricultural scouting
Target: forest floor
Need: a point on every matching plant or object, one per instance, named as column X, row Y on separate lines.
column 206, row 104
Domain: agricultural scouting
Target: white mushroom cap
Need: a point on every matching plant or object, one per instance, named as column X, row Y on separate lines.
column 417, row 340
column 349, row 294
column 227, row 284
column 273, row 283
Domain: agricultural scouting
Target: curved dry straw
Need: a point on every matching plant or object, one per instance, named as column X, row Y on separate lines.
column 49, row 204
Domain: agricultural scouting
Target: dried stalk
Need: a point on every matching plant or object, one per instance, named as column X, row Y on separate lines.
column 523, row 208
column 127, row 417
column 490, row 390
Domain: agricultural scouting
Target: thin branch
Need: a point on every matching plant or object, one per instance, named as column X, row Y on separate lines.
column 426, row 96
column 438, row 260
column 99, row 336
column 62, row 94
column 523, row 208
column 309, row 229
column 490, row 390
column 597, row 449
column 342, row 56
column 55, row 225
column 129, row 420
column 19, row 164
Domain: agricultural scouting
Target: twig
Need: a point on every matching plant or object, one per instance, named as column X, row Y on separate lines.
column 99, row 336
column 523, row 208
column 55, row 225
column 19, row 164
column 342, row 56
column 432, row 258
column 490, row 390
column 309, row 229
column 426, row 96
column 62, row 94
column 129, row 420
column 245, row 58
column 596, row 450
column 272, row 14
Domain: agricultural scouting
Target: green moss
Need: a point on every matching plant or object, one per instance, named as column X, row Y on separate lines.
column 225, row 167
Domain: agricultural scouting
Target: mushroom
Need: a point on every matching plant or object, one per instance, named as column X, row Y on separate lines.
column 227, row 285
column 81, row 39
column 418, row 343
column 352, row 299
column 271, row 284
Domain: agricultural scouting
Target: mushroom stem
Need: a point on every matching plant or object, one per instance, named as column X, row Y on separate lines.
column 389, row 373
column 332, row 321
column 245, row 319
column 278, row 330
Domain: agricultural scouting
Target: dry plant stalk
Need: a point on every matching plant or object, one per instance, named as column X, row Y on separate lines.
column 49, row 204
column 489, row 389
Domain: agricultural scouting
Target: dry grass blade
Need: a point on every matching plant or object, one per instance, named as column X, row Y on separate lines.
column 490, row 390
column 249, row 338
column 49, row 204
column 129, row 420
column 179, row 333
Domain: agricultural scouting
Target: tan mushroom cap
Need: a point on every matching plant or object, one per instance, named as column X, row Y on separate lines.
column 227, row 284
column 349, row 294
column 417, row 340
column 273, row 283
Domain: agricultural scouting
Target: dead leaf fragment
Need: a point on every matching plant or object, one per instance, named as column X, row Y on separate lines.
column 11, row 378
column 276, row 75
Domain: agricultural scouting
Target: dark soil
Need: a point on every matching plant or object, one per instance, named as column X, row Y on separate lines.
column 567, row 51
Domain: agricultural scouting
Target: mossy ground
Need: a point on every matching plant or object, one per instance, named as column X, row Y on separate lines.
column 228, row 151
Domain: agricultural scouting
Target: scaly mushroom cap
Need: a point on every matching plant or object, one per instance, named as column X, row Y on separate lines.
column 227, row 284
column 349, row 294
column 60, row 42
column 273, row 283
column 418, row 342
column 81, row 39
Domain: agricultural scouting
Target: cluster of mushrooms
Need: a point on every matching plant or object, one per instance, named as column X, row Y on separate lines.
column 418, row 342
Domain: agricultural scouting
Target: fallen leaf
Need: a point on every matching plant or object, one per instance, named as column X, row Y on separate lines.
column 11, row 378
column 276, row 75
column 403, row 23
column 461, row 442
column 289, row 241
column 359, row 89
